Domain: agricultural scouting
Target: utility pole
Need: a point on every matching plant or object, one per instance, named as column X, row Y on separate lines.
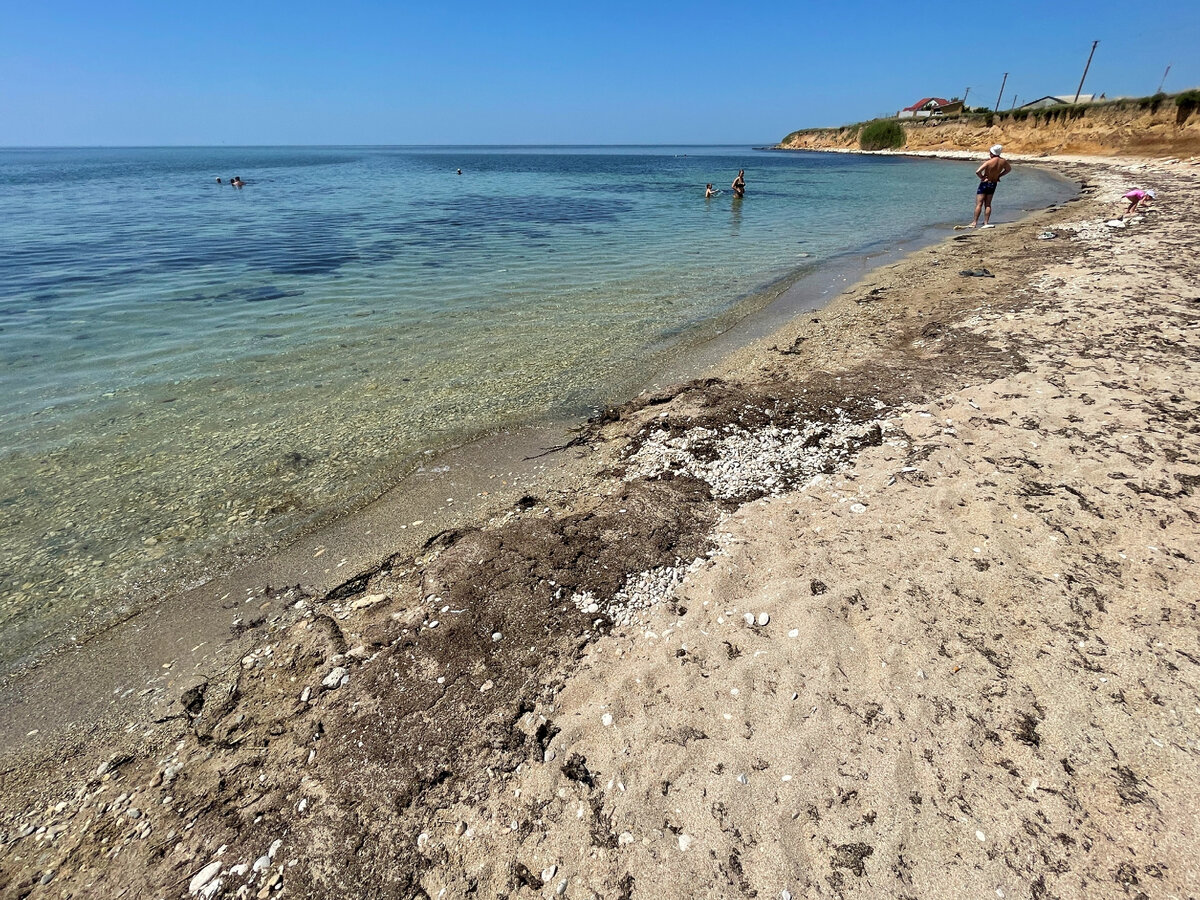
column 1085, row 71
column 1164, row 80
column 1001, row 94
column 967, row 93
column 1014, row 105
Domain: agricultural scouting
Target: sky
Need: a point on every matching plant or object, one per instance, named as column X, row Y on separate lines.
column 156, row 73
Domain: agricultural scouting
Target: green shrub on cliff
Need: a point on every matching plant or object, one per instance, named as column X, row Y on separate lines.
column 1185, row 104
column 882, row 134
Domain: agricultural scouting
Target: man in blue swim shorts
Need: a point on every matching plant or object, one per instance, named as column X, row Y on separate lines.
column 989, row 175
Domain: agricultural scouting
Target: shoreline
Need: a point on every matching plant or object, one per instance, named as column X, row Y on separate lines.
column 191, row 578
column 635, row 525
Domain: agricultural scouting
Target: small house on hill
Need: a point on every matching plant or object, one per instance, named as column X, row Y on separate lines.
column 1057, row 100
column 923, row 108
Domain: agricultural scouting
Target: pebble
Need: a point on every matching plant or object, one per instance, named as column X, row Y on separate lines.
column 785, row 894
column 742, row 779
column 749, row 618
column 685, row 841
column 981, row 835
column 497, row 636
column 606, row 719
column 548, row 873
column 333, row 680
column 261, row 864
column 795, row 632
column 561, row 887
column 764, row 618
column 204, row 876
column 133, row 813
column 626, row 838
column 46, row 878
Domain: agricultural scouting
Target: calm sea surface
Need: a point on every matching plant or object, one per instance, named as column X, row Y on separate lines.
column 190, row 371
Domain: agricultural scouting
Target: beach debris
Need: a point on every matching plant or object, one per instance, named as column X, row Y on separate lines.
column 1046, row 236
column 336, row 678
column 740, row 463
column 1115, row 223
column 113, row 763
column 202, row 878
column 976, row 273
column 639, row 592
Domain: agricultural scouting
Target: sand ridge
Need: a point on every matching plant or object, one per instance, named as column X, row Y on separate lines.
column 919, row 621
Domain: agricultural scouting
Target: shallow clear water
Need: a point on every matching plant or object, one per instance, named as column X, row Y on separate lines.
column 190, row 371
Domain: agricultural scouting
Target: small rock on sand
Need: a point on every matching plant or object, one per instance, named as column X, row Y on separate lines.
column 204, row 876
column 333, row 680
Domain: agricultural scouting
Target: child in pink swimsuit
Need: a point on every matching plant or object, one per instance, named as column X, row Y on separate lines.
column 1137, row 198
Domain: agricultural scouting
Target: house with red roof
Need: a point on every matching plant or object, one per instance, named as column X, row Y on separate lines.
column 923, row 108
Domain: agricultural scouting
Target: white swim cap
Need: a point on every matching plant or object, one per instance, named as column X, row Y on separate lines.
column 996, row 150
column 1152, row 195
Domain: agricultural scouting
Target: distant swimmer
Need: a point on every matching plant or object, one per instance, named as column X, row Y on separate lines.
column 709, row 192
column 989, row 175
column 739, row 184
column 236, row 181
column 218, row 179
column 460, row 171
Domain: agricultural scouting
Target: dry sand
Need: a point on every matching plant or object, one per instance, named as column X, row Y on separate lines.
column 901, row 603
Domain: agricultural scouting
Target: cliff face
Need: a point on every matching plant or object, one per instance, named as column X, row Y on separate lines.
column 1100, row 131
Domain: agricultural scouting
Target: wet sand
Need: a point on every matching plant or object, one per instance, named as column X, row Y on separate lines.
column 959, row 512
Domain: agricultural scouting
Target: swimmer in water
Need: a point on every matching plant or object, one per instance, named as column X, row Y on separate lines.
column 739, row 184
column 708, row 191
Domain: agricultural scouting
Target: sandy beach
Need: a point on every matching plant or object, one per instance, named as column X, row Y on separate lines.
column 896, row 602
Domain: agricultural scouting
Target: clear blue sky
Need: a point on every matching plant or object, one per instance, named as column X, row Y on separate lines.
column 378, row 72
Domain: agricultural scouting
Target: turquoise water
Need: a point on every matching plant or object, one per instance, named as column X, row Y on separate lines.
column 191, row 371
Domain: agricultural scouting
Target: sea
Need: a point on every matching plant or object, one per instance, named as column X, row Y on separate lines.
column 192, row 373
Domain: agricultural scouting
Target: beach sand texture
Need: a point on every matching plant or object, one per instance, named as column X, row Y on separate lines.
column 899, row 603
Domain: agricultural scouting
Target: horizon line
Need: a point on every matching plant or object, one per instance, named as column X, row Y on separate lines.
column 366, row 146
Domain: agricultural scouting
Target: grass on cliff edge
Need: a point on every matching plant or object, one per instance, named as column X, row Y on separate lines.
column 882, row 134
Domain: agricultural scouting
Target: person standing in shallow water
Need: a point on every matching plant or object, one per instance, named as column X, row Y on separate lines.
column 739, row 184
column 989, row 175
